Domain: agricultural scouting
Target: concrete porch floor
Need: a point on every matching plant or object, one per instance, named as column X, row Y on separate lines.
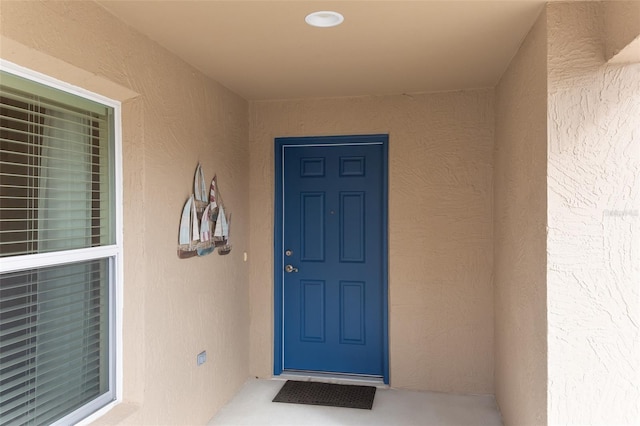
column 252, row 406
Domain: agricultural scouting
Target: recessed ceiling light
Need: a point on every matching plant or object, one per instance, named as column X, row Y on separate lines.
column 324, row 18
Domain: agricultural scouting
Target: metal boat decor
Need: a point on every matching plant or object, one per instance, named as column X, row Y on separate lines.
column 204, row 224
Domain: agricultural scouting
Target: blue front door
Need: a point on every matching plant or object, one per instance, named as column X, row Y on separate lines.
column 332, row 261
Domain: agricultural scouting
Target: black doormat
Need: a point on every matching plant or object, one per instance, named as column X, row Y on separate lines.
column 329, row 394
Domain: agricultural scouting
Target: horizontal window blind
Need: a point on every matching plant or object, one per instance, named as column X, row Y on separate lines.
column 57, row 195
column 56, row 167
column 54, row 324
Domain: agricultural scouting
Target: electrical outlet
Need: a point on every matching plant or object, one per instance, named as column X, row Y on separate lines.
column 202, row 357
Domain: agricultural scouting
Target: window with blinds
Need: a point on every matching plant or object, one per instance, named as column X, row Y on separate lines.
column 58, row 253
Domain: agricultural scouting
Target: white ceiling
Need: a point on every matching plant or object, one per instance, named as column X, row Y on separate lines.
column 264, row 49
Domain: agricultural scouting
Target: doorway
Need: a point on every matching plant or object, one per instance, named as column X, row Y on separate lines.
column 330, row 258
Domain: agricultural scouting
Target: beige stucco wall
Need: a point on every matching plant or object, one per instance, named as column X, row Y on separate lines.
column 440, row 228
column 593, row 224
column 173, row 117
column 520, row 208
column 621, row 26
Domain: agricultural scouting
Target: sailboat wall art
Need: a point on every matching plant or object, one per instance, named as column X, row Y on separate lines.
column 204, row 223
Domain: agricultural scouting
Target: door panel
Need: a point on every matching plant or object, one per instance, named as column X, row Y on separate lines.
column 312, row 226
column 352, row 229
column 312, row 312
column 352, row 319
column 333, row 315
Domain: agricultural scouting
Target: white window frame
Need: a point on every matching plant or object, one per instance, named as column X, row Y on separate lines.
column 88, row 412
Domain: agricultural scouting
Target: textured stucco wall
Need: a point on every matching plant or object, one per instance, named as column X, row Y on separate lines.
column 593, row 224
column 173, row 117
column 520, row 211
column 440, row 228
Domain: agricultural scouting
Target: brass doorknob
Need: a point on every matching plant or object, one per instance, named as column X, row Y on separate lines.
column 290, row 268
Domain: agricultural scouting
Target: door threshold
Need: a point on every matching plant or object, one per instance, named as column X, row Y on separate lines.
column 337, row 378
